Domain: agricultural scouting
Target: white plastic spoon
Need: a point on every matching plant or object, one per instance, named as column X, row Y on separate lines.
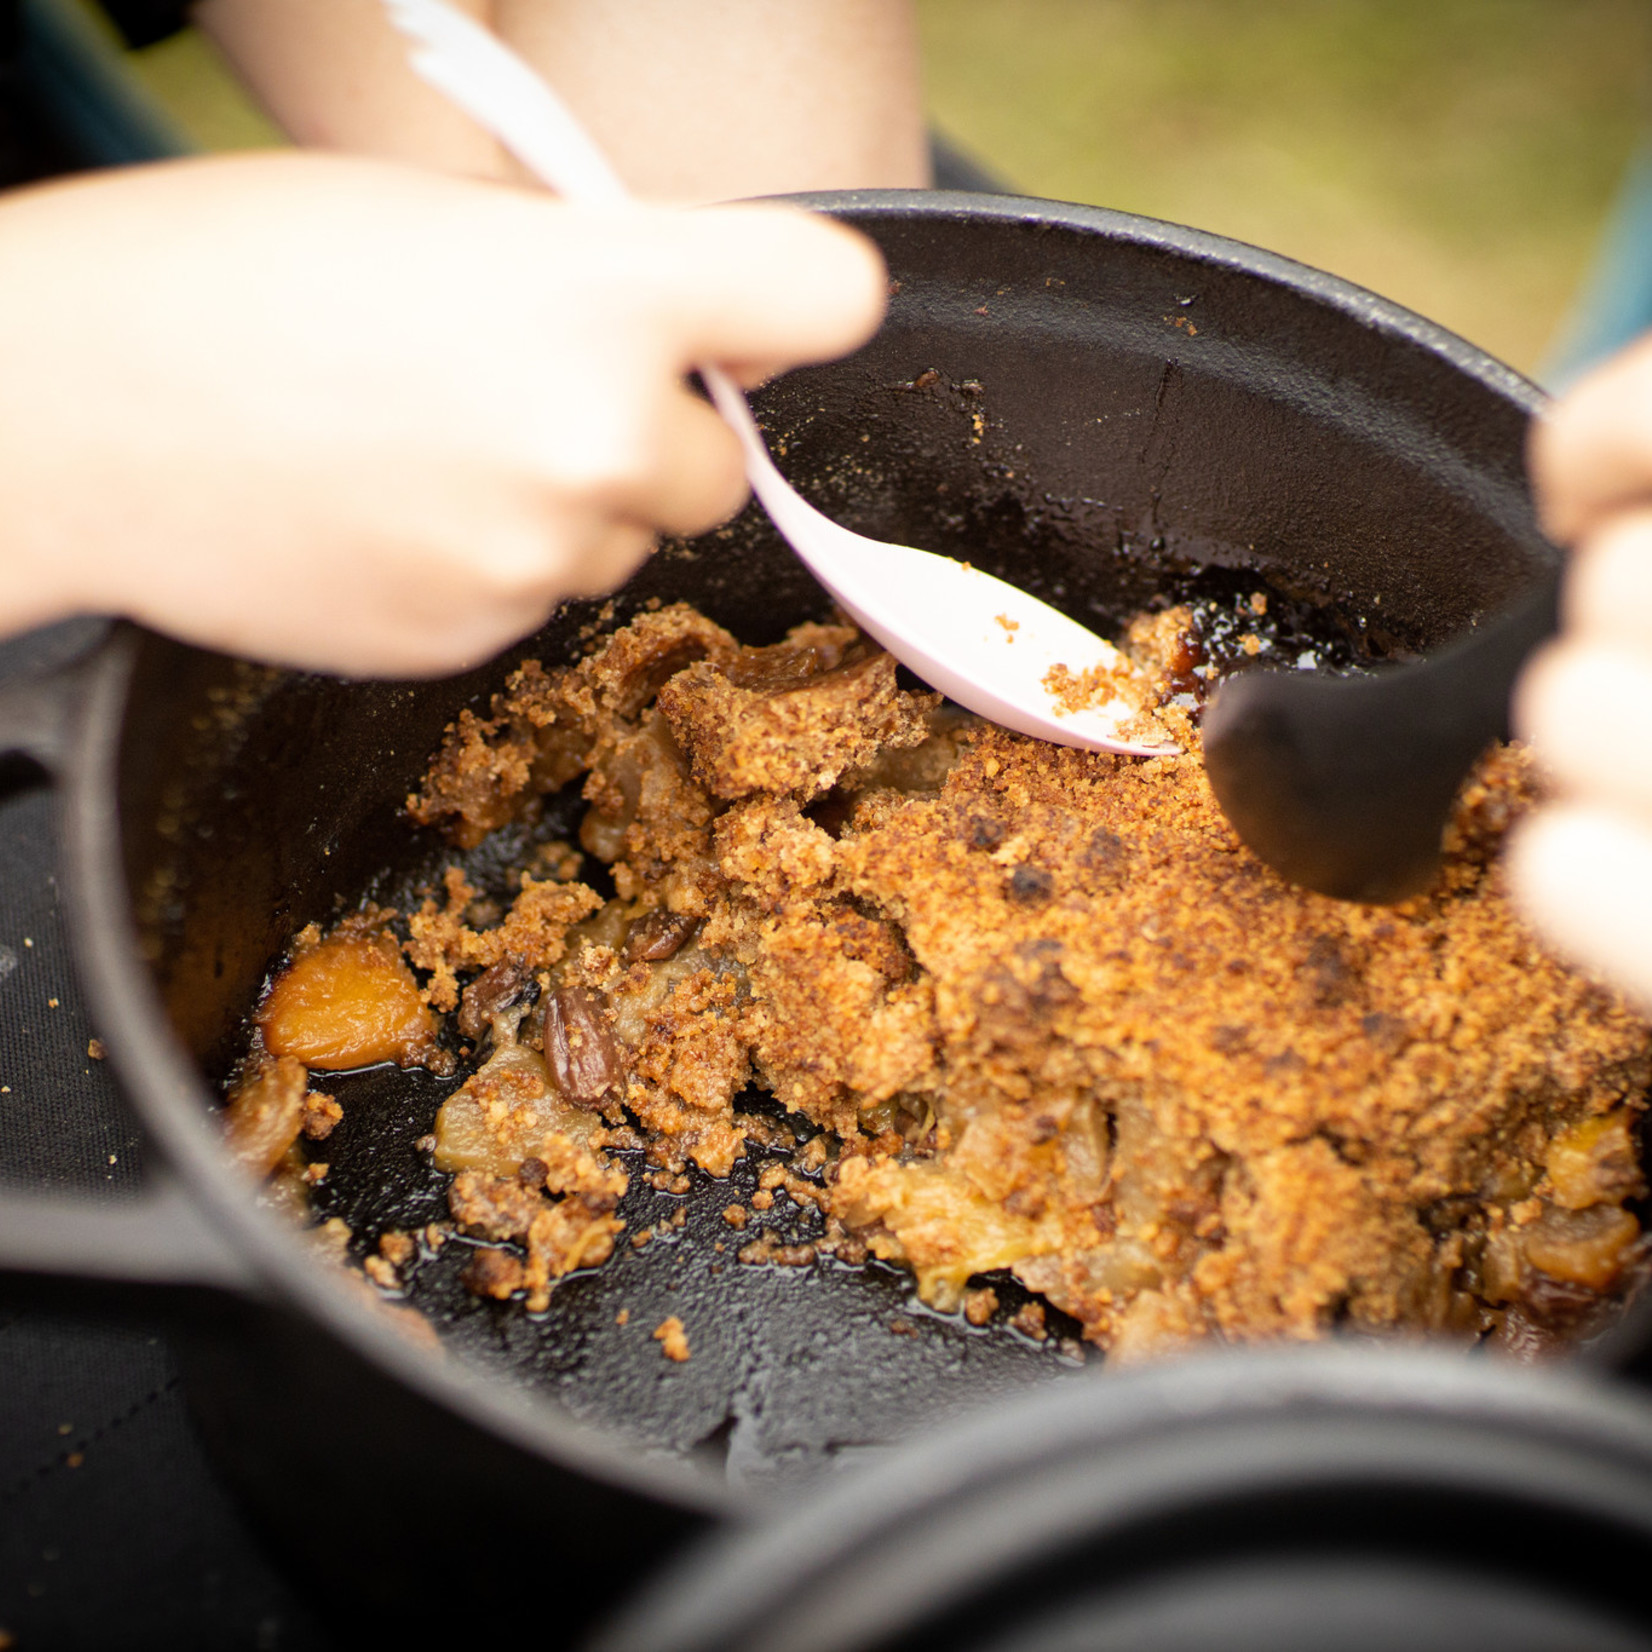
column 982, row 642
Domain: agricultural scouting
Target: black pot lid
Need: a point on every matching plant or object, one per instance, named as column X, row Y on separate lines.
column 1345, row 1496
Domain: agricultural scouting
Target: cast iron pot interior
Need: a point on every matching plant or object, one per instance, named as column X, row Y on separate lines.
column 1107, row 410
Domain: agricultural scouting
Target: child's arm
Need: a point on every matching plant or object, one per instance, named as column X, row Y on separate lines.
column 694, row 100
column 334, row 75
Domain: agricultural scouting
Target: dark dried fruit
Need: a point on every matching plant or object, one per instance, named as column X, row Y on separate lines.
column 1030, row 884
column 493, row 991
column 1558, row 1304
column 579, row 1050
column 983, row 832
column 659, row 935
column 1330, row 971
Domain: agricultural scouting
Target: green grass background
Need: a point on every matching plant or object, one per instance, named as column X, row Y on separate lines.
column 1455, row 155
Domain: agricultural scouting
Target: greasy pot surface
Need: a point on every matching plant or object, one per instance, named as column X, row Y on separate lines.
column 1100, row 408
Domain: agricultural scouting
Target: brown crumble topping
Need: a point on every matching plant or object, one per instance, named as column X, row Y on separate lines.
column 1036, row 1010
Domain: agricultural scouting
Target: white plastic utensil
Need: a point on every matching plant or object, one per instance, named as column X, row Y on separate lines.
column 982, row 642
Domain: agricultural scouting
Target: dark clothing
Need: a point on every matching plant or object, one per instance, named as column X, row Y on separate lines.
column 143, row 22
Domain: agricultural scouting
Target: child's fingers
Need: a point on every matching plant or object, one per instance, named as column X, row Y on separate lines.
column 1591, row 455
column 1609, row 583
column 1584, row 876
column 699, row 479
column 766, row 287
column 1583, row 706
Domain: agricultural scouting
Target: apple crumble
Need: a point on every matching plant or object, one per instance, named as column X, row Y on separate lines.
column 1050, row 1019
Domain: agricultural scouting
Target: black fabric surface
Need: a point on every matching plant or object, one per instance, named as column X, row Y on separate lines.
column 114, row 1532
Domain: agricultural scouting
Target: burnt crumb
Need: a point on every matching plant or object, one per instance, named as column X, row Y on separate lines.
column 493, row 1273
column 321, row 1114
column 768, row 1248
column 1330, row 971
column 1105, row 854
column 382, row 1272
column 1028, row 1319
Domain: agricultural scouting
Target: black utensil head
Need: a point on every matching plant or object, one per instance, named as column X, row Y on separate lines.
column 1356, row 815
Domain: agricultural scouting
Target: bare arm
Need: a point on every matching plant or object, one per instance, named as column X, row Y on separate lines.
column 695, row 100
column 334, row 75
column 717, row 99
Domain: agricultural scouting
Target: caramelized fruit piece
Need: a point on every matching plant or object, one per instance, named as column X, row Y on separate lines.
column 1593, row 1162
column 265, row 1114
column 507, row 1113
column 349, row 1002
column 1583, row 1247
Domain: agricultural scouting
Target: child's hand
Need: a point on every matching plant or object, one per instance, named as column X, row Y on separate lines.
column 342, row 415
column 1582, row 866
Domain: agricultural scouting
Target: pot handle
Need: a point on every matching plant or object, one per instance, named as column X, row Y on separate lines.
column 160, row 1236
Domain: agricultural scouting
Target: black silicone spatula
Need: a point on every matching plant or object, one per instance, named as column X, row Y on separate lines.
column 1343, row 784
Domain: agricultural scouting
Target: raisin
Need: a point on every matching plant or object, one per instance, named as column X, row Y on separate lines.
column 659, row 935
column 579, row 1050
column 492, row 991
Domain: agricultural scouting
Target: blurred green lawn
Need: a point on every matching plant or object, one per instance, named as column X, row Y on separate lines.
column 1455, row 155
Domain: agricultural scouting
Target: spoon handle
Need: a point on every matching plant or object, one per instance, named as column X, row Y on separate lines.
column 485, row 78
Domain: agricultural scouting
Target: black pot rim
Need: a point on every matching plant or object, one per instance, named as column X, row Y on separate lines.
column 968, row 1509
column 174, row 1102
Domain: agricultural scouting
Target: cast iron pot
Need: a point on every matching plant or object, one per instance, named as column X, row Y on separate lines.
column 1105, row 409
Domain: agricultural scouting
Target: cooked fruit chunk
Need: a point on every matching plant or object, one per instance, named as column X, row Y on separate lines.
column 349, row 1002
column 265, row 1113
